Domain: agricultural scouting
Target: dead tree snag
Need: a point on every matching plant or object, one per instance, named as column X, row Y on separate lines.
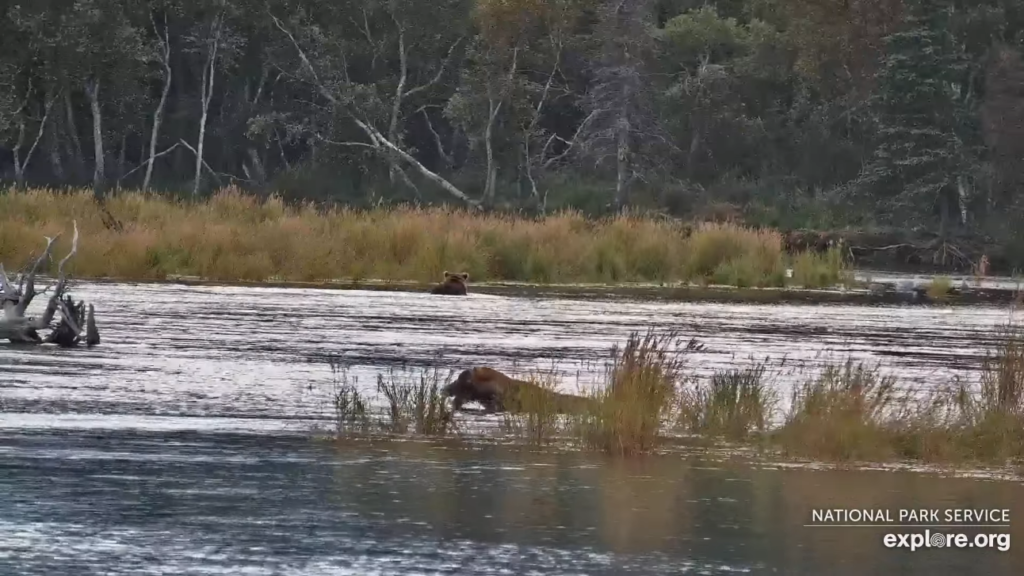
column 17, row 327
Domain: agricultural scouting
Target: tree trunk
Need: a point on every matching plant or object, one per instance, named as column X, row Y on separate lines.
column 621, row 163
column 490, row 180
column 92, row 91
column 207, row 88
column 77, row 158
column 158, row 114
column 121, row 157
column 53, row 149
column 19, row 164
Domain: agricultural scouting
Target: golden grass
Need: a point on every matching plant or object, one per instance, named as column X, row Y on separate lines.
column 813, row 270
column 857, row 413
column 843, row 414
column 640, row 392
column 237, row 237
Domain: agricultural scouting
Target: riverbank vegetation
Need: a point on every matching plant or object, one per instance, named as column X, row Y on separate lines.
column 847, row 412
column 234, row 236
column 784, row 113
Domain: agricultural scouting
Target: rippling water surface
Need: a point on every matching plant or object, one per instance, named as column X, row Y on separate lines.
column 203, row 351
column 178, row 446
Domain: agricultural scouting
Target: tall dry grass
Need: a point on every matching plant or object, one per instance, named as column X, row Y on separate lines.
column 989, row 420
column 639, row 394
column 734, row 404
column 413, row 403
column 853, row 412
column 848, row 412
column 237, row 237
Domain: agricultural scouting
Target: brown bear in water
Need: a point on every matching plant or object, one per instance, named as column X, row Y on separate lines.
column 453, row 285
column 499, row 393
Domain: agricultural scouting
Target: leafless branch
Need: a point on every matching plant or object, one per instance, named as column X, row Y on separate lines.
column 148, row 161
column 212, row 172
column 437, row 138
column 440, row 71
column 573, row 142
column 375, row 136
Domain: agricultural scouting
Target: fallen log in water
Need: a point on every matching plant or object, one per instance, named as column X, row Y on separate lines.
column 16, row 297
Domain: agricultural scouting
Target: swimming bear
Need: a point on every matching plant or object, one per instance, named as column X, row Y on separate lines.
column 453, row 285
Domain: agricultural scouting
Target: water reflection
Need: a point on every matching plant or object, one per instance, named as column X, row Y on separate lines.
column 131, row 502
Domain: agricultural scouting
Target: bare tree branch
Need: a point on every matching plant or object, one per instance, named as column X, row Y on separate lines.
column 440, row 71
column 378, row 139
column 212, row 172
column 149, row 162
column 574, row 141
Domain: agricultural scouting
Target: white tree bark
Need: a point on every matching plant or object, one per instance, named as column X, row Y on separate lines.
column 207, row 87
column 92, row 92
column 158, row 114
column 494, row 107
column 21, row 164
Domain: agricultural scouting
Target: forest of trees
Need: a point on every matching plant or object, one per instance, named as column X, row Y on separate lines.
column 812, row 113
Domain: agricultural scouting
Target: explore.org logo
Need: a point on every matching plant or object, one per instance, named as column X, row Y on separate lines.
column 978, row 521
column 929, row 539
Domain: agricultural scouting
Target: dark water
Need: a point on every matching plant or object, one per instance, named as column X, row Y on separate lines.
column 177, row 503
column 179, row 445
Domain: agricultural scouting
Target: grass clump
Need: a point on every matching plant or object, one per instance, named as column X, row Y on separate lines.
column 350, row 407
column 734, row 404
column 237, row 237
column 851, row 412
column 989, row 420
column 640, row 390
column 847, row 412
column 821, row 270
column 625, row 414
column 843, row 414
column 939, row 288
column 724, row 253
column 413, row 404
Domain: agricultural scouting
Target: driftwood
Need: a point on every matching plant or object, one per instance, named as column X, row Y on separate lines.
column 16, row 297
column 899, row 248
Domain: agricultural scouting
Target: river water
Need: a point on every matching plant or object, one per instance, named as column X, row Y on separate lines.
column 181, row 446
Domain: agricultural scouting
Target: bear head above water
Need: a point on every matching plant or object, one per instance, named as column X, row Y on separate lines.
column 454, row 284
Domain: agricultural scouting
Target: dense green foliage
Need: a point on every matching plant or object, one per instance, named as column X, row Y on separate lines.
column 800, row 112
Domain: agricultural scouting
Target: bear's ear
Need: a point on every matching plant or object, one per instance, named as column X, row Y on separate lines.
column 447, row 273
column 465, row 275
